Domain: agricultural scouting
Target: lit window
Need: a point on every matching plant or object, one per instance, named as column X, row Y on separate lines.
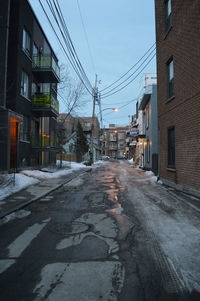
column 148, row 151
column 171, row 147
column 170, row 79
column 25, row 85
column 168, row 13
column 26, row 42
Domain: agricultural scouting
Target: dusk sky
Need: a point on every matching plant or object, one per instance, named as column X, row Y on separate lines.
column 119, row 33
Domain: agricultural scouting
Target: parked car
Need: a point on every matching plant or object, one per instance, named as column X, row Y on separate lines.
column 104, row 157
column 121, row 157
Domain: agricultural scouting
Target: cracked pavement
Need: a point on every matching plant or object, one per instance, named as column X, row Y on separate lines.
column 98, row 238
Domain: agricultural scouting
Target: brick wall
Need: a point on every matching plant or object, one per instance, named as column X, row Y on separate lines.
column 183, row 112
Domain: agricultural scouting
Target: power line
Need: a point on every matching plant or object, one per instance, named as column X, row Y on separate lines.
column 63, row 23
column 131, row 79
column 63, row 48
column 131, row 74
column 86, row 37
column 67, row 39
column 129, row 69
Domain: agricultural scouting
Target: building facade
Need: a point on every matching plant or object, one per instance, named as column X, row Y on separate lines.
column 91, row 129
column 148, row 138
column 178, row 64
column 29, row 105
column 114, row 141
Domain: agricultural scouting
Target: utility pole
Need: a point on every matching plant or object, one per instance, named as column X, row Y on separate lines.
column 95, row 97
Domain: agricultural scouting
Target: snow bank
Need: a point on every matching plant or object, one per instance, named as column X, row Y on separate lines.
column 100, row 162
column 57, row 174
column 131, row 161
column 21, row 182
column 150, row 173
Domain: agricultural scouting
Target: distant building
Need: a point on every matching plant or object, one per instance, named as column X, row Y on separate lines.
column 28, row 98
column 114, row 141
column 148, row 138
column 146, row 151
column 178, row 65
column 91, row 129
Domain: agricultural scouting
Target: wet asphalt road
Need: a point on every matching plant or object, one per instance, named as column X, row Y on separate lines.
column 86, row 242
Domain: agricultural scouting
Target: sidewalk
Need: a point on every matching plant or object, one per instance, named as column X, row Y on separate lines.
column 36, row 191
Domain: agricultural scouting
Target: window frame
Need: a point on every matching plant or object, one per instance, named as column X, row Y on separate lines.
column 24, row 129
column 171, row 148
column 22, row 88
column 170, row 81
column 168, row 15
column 26, row 42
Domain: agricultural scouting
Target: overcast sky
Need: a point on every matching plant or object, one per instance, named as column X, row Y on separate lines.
column 119, row 33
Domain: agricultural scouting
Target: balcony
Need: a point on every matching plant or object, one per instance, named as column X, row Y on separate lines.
column 42, row 142
column 45, row 104
column 46, row 69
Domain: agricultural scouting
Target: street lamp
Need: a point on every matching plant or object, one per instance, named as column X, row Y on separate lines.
column 114, row 109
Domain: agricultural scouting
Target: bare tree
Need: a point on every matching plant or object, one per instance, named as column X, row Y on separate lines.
column 71, row 93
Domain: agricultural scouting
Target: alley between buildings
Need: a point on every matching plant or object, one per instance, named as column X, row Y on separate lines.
column 111, row 234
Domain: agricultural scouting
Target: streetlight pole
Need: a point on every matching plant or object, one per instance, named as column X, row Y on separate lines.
column 103, row 128
column 95, row 95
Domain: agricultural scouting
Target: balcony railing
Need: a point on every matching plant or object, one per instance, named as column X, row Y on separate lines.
column 44, row 141
column 45, row 102
column 46, row 64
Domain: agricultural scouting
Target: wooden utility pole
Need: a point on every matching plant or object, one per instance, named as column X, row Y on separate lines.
column 95, row 95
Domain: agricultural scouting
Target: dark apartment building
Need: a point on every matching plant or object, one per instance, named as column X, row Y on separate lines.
column 178, row 65
column 28, row 98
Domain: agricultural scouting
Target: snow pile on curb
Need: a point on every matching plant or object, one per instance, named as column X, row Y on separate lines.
column 150, row 173
column 131, row 161
column 57, row 174
column 21, row 182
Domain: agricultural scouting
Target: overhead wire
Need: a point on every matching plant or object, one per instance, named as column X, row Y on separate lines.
column 67, row 39
column 63, row 48
column 131, row 79
column 62, row 20
column 131, row 74
column 130, row 68
column 86, row 37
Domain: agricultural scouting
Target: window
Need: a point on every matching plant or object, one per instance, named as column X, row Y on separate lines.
column 24, row 129
column 120, row 145
column 168, row 14
column 147, row 117
column 170, row 78
column 113, row 137
column 25, row 85
column 26, row 42
column 120, row 136
column 171, row 147
column 35, row 50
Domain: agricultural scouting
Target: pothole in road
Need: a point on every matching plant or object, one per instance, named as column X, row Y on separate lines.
column 69, row 229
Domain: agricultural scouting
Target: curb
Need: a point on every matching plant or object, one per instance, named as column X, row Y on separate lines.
column 26, row 203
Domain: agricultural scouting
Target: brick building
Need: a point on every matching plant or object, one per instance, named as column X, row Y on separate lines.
column 114, row 141
column 178, row 65
column 28, row 98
